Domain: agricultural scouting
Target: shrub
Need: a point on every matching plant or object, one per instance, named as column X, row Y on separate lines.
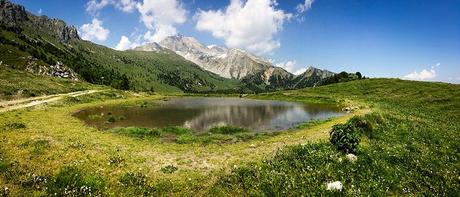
column 134, row 179
column 228, row 130
column 16, row 125
column 138, row 132
column 34, row 181
column 39, row 146
column 169, row 169
column 176, row 130
column 116, row 160
column 345, row 137
column 71, row 181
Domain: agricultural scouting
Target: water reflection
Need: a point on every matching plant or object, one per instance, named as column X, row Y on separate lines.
column 201, row 114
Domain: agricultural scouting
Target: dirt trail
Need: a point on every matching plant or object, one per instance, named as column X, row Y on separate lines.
column 29, row 102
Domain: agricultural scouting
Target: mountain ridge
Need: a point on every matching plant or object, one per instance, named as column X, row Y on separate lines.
column 38, row 44
column 234, row 63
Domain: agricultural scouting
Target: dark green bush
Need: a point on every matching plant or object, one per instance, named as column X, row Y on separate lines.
column 134, row 179
column 169, row 169
column 345, row 137
column 16, row 125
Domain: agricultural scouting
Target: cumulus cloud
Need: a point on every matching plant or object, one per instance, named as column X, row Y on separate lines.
column 290, row 67
column 160, row 17
column 287, row 65
column 94, row 6
column 94, row 31
column 125, row 44
column 301, row 8
column 250, row 25
column 423, row 75
column 300, row 71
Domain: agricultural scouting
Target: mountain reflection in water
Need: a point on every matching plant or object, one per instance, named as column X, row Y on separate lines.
column 201, row 114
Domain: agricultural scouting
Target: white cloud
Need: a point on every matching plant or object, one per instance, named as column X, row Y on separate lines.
column 301, row 8
column 125, row 44
column 290, row 67
column 94, row 6
column 161, row 17
column 250, row 25
column 94, row 31
column 423, row 75
column 126, row 5
column 287, row 65
column 300, row 71
column 40, row 11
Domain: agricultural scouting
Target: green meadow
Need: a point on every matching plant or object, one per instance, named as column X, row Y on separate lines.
column 404, row 134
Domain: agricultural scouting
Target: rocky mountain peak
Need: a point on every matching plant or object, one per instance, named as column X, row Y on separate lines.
column 150, row 47
column 10, row 13
column 13, row 16
column 312, row 71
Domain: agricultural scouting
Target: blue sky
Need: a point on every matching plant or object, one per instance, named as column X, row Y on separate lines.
column 412, row 39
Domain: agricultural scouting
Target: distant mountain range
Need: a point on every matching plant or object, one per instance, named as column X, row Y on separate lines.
column 237, row 64
column 46, row 46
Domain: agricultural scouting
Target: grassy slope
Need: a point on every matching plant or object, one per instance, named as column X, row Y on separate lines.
column 18, row 84
column 414, row 148
column 145, row 71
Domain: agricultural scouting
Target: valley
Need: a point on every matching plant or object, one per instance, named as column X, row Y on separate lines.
column 177, row 117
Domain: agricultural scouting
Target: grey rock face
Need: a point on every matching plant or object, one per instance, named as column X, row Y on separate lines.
column 58, row 70
column 236, row 63
column 13, row 15
column 228, row 63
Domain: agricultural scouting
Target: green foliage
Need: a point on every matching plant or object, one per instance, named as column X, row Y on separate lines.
column 169, row 169
column 16, row 125
column 71, row 181
column 342, row 77
column 134, row 179
column 228, row 130
column 346, row 137
column 39, row 147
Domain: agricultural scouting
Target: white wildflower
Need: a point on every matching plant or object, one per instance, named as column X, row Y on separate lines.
column 351, row 157
column 337, row 185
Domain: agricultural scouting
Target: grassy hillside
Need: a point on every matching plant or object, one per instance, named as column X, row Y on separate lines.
column 18, row 84
column 26, row 39
column 411, row 149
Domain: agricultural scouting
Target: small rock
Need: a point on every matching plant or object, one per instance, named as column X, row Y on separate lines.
column 252, row 145
column 334, row 186
column 352, row 157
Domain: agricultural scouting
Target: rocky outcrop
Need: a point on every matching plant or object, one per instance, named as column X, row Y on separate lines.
column 58, row 70
column 14, row 16
column 311, row 77
column 150, row 47
column 56, row 27
column 11, row 14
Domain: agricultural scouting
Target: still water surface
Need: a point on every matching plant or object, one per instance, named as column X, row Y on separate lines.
column 201, row 114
